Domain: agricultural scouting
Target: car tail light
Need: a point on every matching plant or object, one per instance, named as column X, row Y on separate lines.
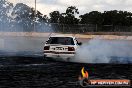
column 71, row 49
column 46, row 47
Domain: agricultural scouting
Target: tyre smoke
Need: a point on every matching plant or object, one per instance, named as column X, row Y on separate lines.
column 104, row 51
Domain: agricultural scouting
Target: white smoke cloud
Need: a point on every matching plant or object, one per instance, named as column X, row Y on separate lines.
column 104, row 51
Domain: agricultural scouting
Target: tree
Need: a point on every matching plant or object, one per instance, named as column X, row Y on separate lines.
column 54, row 17
column 114, row 17
column 93, row 17
column 69, row 16
column 5, row 16
column 23, row 17
column 72, row 10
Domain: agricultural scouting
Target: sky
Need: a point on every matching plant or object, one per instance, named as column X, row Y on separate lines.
column 84, row 6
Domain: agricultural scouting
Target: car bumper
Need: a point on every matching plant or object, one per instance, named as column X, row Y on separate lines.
column 60, row 57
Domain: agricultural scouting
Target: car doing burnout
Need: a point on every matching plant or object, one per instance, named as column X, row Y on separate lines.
column 61, row 47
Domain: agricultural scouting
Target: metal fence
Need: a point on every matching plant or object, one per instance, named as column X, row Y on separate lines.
column 67, row 28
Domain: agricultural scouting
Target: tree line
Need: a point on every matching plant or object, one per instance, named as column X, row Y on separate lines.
column 113, row 17
column 23, row 17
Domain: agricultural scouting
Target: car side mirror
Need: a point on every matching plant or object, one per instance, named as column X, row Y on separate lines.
column 44, row 42
column 80, row 43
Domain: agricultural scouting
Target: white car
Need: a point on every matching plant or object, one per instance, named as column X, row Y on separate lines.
column 61, row 47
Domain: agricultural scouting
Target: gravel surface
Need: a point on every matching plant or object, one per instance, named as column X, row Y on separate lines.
column 35, row 72
column 22, row 70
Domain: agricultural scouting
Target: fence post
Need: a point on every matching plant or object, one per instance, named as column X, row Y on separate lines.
column 96, row 27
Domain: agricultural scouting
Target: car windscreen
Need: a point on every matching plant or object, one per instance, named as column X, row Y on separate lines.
column 61, row 40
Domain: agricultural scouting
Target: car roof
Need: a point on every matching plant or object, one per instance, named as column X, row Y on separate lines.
column 62, row 36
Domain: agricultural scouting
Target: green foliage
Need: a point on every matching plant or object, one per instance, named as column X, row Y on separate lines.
column 54, row 17
column 65, row 18
column 23, row 17
column 113, row 17
column 5, row 19
column 93, row 17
